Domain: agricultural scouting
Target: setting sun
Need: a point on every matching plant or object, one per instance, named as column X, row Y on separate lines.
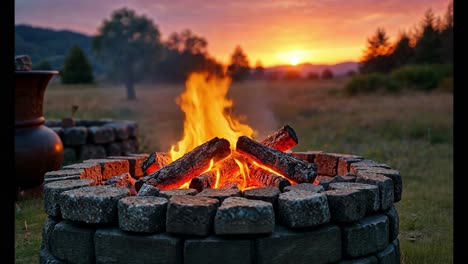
column 293, row 61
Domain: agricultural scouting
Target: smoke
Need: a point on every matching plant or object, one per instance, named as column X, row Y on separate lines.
column 252, row 103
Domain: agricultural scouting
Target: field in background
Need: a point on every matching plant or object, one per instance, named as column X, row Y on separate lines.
column 411, row 132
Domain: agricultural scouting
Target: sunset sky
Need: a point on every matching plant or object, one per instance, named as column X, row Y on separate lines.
column 271, row 31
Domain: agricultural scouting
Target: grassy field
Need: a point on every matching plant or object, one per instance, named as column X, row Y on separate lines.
column 412, row 132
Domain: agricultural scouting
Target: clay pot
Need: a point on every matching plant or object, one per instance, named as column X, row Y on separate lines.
column 38, row 149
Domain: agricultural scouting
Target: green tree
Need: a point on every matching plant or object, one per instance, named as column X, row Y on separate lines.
column 238, row 68
column 447, row 35
column 375, row 57
column 76, row 68
column 130, row 45
column 403, row 52
column 428, row 46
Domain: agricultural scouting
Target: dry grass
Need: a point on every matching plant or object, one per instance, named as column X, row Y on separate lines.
column 412, row 132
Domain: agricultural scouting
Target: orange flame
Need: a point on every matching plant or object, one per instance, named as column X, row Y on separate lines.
column 206, row 108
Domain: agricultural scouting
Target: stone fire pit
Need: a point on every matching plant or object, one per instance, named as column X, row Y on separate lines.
column 93, row 139
column 347, row 217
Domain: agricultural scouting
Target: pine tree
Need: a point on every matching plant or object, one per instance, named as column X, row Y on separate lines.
column 76, row 68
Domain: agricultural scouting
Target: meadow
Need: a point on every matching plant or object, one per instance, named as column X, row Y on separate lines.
column 410, row 131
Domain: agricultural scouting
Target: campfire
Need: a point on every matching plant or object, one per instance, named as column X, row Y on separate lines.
column 218, row 151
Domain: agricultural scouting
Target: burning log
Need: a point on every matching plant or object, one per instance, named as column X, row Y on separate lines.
column 283, row 139
column 192, row 164
column 291, row 167
column 265, row 178
column 154, row 162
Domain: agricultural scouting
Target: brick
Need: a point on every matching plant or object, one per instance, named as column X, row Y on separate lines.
column 173, row 192
column 58, row 131
column 191, row 215
column 354, row 167
column 124, row 180
column 71, row 177
column 148, row 190
column 64, row 173
column 115, row 246
column 321, row 245
column 47, row 229
column 90, row 151
column 114, row 149
column 364, row 260
column 326, row 164
column 215, row 250
column 306, row 155
column 110, row 167
column 73, row 243
column 91, row 171
column 69, row 155
column 267, row 194
column 121, row 129
column 132, row 128
column 53, row 190
column 134, row 163
column 394, row 222
column 396, row 244
column 372, row 193
column 75, row 136
column 220, row 194
column 303, row 209
column 308, row 187
column 142, row 214
column 366, row 236
column 385, row 186
column 387, row 256
column 238, row 215
column 346, row 205
column 45, row 257
column 394, row 175
column 94, row 204
column 101, row 134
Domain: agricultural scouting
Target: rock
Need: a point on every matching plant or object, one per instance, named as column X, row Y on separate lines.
column 267, row 194
column 75, row 136
column 372, row 200
column 309, row 187
column 101, row 134
column 92, row 205
column 173, row 192
column 110, row 167
column 385, row 186
column 213, row 250
column 394, row 222
column 346, row 205
column 321, row 245
column 220, row 194
column 238, row 215
column 53, row 190
column 303, row 209
column 136, row 248
column 190, row 215
column 142, row 214
column 387, row 256
column 124, row 180
column 23, row 63
column 73, row 243
column 366, row 236
column 148, row 190
column 90, row 151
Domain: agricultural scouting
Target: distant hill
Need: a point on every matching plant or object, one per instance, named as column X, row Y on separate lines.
column 338, row 69
column 52, row 45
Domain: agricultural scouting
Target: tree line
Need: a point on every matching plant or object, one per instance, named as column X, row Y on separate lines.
column 430, row 43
